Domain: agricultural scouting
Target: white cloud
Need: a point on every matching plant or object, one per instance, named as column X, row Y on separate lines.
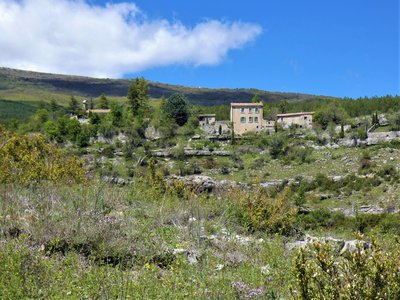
column 74, row 37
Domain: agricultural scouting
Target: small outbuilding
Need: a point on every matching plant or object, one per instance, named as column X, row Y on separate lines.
column 300, row 119
column 206, row 119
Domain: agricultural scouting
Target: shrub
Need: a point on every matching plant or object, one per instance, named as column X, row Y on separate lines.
column 108, row 150
column 256, row 210
column 323, row 182
column 209, row 163
column 364, row 221
column 388, row 172
column 278, row 147
column 361, row 134
column 237, row 161
column 365, row 161
column 30, row 159
column 322, row 218
column 363, row 274
column 212, row 145
column 299, row 154
column 258, row 162
column 198, row 145
column 178, row 152
column 390, row 224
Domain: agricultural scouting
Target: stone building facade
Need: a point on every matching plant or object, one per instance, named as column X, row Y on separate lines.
column 300, row 119
column 248, row 117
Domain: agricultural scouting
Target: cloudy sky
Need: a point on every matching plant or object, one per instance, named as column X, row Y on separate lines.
column 339, row 48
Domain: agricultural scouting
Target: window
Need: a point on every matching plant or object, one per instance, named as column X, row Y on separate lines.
column 250, row 119
column 250, row 110
column 256, row 110
column 255, row 119
column 243, row 120
column 305, row 118
column 242, row 110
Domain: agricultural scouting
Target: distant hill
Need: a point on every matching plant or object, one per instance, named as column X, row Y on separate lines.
column 34, row 86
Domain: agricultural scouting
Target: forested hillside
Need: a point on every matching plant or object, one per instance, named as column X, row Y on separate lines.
column 16, row 84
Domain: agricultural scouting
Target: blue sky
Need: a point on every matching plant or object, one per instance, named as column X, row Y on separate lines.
column 340, row 48
column 336, row 48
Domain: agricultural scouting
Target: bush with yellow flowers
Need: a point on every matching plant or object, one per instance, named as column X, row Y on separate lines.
column 29, row 159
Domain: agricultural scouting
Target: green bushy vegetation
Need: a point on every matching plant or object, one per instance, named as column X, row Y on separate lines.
column 84, row 241
column 14, row 111
column 96, row 240
column 336, row 109
column 370, row 273
column 123, row 225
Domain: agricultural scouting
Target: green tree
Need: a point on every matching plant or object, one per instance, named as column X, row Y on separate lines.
column 341, row 135
column 94, row 118
column 62, row 123
column 74, row 106
column 52, row 131
column 331, row 113
column 267, row 113
column 176, row 108
column 138, row 96
column 117, row 115
column 83, row 137
column 53, row 106
column 278, row 146
column 40, row 117
column 256, row 99
column 233, row 142
column 395, row 121
column 73, row 129
column 283, row 107
column 103, row 102
column 91, row 103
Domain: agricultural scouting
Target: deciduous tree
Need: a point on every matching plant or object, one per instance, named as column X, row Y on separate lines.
column 176, row 108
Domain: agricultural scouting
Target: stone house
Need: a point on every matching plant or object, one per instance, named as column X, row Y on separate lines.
column 300, row 119
column 206, row 119
column 248, row 117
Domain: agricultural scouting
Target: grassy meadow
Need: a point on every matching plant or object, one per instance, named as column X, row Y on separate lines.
column 89, row 210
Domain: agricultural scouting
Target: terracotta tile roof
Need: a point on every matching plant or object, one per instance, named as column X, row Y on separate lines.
column 247, row 104
column 295, row 114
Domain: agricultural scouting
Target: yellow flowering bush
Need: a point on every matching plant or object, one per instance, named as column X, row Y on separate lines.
column 30, row 159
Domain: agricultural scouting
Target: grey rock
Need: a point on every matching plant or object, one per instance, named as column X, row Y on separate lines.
column 152, row 134
column 115, row 180
column 193, row 256
column 353, row 245
column 337, row 178
column 235, row 258
column 324, row 196
column 371, row 209
column 199, row 183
